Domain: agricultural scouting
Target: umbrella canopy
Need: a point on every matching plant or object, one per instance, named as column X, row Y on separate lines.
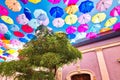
column 56, row 12
column 72, row 9
column 18, row 34
column 103, row 5
column 26, row 28
column 7, row 35
column 45, row 23
column 86, row 6
column 15, row 42
column 70, row 2
column 82, row 28
column 54, row 1
column 3, row 11
column 24, row 1
column 116, row 27
column 58, row 22
column 14, row 5
column 71, row 36
column 23, row 40
column 35, row 1
column 115, row 11
column 14, row 27
column 33, row 23
column 99, row 17
column 84, row 18
column 110, row 21
column 71, row 19
column 105, row 30
column 71, row 29
column 22, row 19
column 28, row 13
column 3, row 28
column 7, row 19
column 91, row 35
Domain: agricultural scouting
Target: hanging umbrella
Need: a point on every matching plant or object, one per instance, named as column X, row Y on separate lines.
column 71, row 36
column 103, row 5
column 115, row 11
column 71, row 29
column 33, row 23
column 82, row 28
column 1, row 51
column 110, row 21
column 105, row 30
column 14, row 27
column 31, row 36
column 70, row 2
column 46, row 22
column 2, row 36
column 3, row 28
column 71, row 19
column 22, row 19
column 58, row 22
column 99, row 17
column 71, row 9
column 18, row 34
column 11, row 51
column 15, row 42
column 116, row 27
column 24, row 1
column 54, row 1
column 23, row 40
column 7, row 19
column 86, row 6
column 35, row 1
column 84, row 18
column 28, row 13
column 7, row 35
column 26, row 28
column 3, row 11
column 14, row 5
column 91, row 35
column 56, row 12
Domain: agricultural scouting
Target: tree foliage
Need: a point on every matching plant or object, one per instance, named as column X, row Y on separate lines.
column 46, row 53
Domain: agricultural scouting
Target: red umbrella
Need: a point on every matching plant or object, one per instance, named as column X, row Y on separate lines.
column 18, row 34
column 3, row 11
column 27, row 28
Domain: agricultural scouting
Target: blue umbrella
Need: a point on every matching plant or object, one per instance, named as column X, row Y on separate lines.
column 7, row 35
column 23, row 40
column 56, row 12
column 6, row 54
column 31, row 36
column 71, row 36
column 27, row 13
column 86, row 6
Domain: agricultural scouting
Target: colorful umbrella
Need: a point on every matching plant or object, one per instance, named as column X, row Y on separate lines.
column 71, row 9
column 105, row 30
column 28, row 13
column 103, row 5
column 18, row 34
column 58, row 22
column 11, row 51
column 3, row 28
column 91, row 35
column 14, row 5
column 70, row 2
column 71, row 29
column 23, row 40
column 7, row 35
column 116, row 27
column 71, row 36
column 35, row 1
column 7, row 19
column 3, row 11
column 71, row 19
column 110, row 21
column 82, row 28
column 84, row 18
column 14, row 27
column 22, row 19
column 80, row 36
column 45, row 23
column 33, row 23
column 56, row 12
column 54, row 1
column 15, row 42
column 31, row 36
column 24, row 1
column 99, row 17
column 86, row 6
column 115, row 11
column 26, row 28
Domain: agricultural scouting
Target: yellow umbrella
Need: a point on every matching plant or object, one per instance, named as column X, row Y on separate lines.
column 35, row 1
column 11, row 51
column 99, row 17
column 6, row 41
column 7, row 19
column 110, row 21
column 1, row 51
column 105, row 30
column 14, row 5
column 71, row 9
column 71, row 19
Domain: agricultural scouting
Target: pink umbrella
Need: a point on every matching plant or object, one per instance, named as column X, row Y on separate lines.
column 116, row 27
column 54, row 1
column 3, row 11
column 70, row 2
column 115, row 11
column 1, row 43
column 22, row 19
column 15, row 42
column 103, row 5
column 58, row 22
column 3, row 28
column 85, row 18
column 82, row 28
column 71, row 29
column 91, row 35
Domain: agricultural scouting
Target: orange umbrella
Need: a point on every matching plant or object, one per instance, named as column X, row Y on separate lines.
column 14, row 5
column 71, row 9
column 105, row 30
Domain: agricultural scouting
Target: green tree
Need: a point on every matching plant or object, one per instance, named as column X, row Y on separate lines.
column 42, row 56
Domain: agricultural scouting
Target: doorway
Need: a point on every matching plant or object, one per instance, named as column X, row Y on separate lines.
column 81, row 77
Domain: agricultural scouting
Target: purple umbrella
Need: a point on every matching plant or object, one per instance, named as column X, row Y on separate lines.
column 91, row 35
column 54, row 1
column 3, row 28
column 71, row 29
column 116, row 27
column 70, row 2
column 82, row 28
column 24, row 1
column 85, row 18
column 22, row 19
